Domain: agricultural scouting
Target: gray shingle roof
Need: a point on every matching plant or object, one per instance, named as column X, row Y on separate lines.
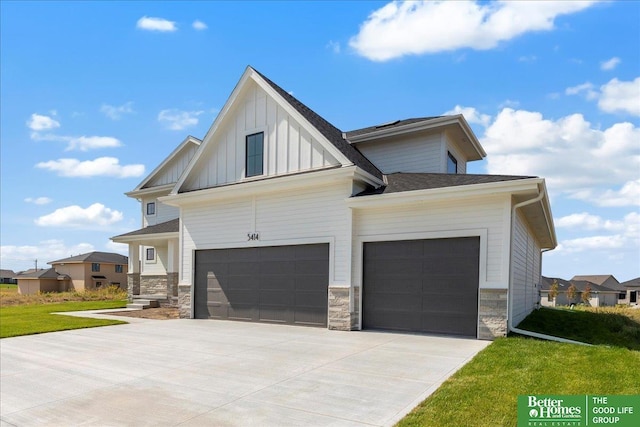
column 400, row 182
column 389, row 125
column 171, row 226
column 329, row 131
column 104, row 257
column 7, row 273
column 580, row 285
column 48, row 273
column 633, row 283
column 602, row 279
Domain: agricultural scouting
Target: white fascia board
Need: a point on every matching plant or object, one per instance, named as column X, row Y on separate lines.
column 188, row 140
column 445, row 193
column 151, row 191
column 146, row 237
column 315, row 133
column 308, row 180
column 546, row 207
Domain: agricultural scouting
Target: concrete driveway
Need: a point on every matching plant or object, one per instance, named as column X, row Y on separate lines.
column 221, row 373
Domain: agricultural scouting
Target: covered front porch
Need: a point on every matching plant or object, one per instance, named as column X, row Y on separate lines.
column 153, row 263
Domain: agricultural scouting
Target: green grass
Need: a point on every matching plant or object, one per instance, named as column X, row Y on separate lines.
column 485, row 391
column 36, row 319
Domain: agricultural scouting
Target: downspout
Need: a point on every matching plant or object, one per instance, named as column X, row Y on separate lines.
column 510, row 326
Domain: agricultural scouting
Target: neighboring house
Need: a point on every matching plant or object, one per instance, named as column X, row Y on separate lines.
column 277, row 216
column 633, row 290
column 93, row 270
column 43, row 280
column 8, row 277
column 608, row 281
column 600, row 296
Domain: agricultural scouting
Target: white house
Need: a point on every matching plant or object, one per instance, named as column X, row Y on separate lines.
column 278, row 216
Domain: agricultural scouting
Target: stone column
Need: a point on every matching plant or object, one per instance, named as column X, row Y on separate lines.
column 339, row 308
column 133, row 271
column 184, row 300
column 133, row 285
column 492, row 314
column 172, row 268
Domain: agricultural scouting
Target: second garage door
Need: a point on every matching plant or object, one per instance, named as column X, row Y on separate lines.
column 422, row 285
column 276, row 284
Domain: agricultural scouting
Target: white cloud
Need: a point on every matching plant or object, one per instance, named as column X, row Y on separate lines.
column 587, row 221
column 610, row 64
column 628, row 195
column 102, row 166
column 471, row 115
column 334, row 46
column 156, row 24
column 576, row 158
column 38, row 200
column 116, row 112
column 178, row 120
column 121, row 248
column 96, row 215
column 81, row 143
column 586, row 88
column 39, row 122
column 414, row 28
column 628, row 237
column 617, row 96
column 23, row 257
column 528, row 58
column 199, row 25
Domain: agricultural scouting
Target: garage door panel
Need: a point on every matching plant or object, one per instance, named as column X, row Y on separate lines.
column 422, row 285
column 284, row 284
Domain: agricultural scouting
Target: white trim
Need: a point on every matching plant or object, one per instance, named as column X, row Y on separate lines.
column 146, row 237
column 255, row 131
column 360, row 240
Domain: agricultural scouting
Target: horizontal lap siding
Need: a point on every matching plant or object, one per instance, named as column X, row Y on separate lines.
column 422, row 154
column 482, row 213
column 289, row 217
column 525, row 264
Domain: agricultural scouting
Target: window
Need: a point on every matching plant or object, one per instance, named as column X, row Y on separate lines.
column 98, row 284
column 549, row 298
column 95, row 267
column 622, row 295
column 151, row 254
column 452, row 164
column 255, row 145
column 118, row 268
column 151, row 208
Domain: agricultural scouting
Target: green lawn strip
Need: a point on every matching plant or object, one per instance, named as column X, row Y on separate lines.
column 608, row 328
column 485, row 391
column 36, row 319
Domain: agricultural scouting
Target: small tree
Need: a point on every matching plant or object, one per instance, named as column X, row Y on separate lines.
column 586, row 295
column 572, row 292
column 553, row 290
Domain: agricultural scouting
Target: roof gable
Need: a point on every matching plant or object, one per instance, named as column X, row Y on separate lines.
column 295, row 138
column 172, row 167
column 102, row 257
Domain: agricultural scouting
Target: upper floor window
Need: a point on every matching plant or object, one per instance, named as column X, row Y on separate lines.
column 452, row 164
column 151, row 254
column 95, row 266
column 119, row 268
column 255, row 156
column 151, row 208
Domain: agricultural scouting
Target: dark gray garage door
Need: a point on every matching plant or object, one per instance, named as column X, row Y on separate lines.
column 278, row 284
column 422, row 285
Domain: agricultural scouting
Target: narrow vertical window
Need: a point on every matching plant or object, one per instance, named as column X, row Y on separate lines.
column 119, row 268
column 95, row 266
column 151, row 254
column 151, row 208
column 255, row 156
column 452, row 164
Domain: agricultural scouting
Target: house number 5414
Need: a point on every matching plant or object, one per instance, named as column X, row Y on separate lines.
column 253, row 236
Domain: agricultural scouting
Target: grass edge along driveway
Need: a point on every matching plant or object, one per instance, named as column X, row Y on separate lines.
column 37, row 318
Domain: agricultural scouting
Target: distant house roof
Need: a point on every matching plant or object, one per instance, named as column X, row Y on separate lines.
column 45, row 273
column 602, row 279
column 399, row 182
column 7, row 273
column 329, row 131
column 103, row 257
column 633, row 283
column 580, row 285
column 389, row 125
column 171, row 226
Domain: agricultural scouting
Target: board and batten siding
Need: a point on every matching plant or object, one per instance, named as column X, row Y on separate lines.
column 171, row 172
column 288, row 146
column 525, row 264
column 441, row 219
column 292, row 217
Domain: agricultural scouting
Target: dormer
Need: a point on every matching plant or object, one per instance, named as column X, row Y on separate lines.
column 441, row 144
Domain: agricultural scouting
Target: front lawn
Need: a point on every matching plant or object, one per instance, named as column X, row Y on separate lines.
column 485, row 391
column 36, row 319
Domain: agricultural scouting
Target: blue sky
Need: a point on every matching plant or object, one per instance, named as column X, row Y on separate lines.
column 95, row 94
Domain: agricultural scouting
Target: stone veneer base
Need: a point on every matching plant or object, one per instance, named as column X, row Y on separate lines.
column 492, row 314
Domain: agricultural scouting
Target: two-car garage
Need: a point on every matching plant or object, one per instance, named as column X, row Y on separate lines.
column 428, row 286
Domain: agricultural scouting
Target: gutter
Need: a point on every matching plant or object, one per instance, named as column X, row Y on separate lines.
column 510, row 326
